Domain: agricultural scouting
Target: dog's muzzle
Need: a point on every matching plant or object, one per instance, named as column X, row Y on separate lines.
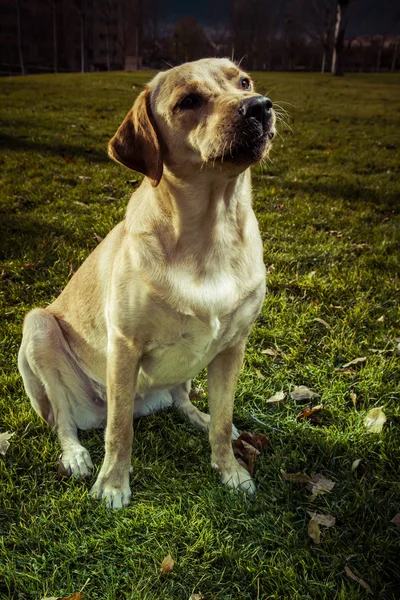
column 256, row 111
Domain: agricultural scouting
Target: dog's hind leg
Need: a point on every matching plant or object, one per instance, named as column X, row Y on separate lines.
column 200, row 420
column 54, row 385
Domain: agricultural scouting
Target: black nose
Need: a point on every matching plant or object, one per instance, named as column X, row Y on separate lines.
column 258, row 107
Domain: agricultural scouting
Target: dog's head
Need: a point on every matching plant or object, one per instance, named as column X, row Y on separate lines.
column 204, row 113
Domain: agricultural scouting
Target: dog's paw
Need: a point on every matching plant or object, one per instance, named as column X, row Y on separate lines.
column 115, row 496
column 237, row 478
column 76, row 461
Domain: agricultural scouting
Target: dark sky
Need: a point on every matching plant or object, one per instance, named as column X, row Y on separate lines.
column 366, row 17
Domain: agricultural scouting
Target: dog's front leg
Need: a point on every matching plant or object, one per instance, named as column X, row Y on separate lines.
column 122, row 369
column 223, row 373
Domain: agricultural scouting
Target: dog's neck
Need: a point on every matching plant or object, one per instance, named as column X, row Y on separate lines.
column 193, row 207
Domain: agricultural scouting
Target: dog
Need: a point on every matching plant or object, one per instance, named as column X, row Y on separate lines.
column 172, row 289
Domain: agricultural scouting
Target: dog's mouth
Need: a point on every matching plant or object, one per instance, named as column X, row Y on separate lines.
column 249, row 144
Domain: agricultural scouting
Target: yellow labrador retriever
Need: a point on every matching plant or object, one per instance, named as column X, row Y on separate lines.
column 172, row 289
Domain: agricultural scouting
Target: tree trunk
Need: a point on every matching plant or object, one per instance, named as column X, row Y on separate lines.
column 108, row 49
column 394, row 57
column 338, row 48
column 137, row 47
column 323, row 64
column 55, row 37
column 378, row 60
column 21, row 58
column 82, row 17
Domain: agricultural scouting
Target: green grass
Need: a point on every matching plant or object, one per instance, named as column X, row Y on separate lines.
column 328, row 212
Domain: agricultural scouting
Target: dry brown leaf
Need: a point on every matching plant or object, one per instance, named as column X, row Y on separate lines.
column 167, row 564
column 4, row 443
column 76, row 596
column 314, row 531
column 363, row 583
column 319, row 485
column 302, row 394
column 396, row 520
column 260, row 375
column 375, row 420
column 296, row 477
column 198, row 596
column 324, row 520
column 355, row 361
column 353, row 398
column 308, row 412
column 247, row 447
column 346, row 371
column 269, row 351
column 355, row 464
column 276, row 398
column 322, row 322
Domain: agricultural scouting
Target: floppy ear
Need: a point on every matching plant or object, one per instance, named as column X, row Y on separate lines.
column 136, row 144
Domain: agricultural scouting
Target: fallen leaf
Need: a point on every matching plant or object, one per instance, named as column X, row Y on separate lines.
column 355, row 464
column 396, row 520
column 258, row 440
column 324, row 520
column 269, row 351
column 68, row 159
column 307, row 412
column 322, row 322
column 167, row 564
column 314, row 531
column 319, row 485
column 29, row 266
column 97, row 237
column 381, row 319
column 247, row 447
column 78, row 203
column 76, row 596
column 84, row 178
column 198, row 596
column 363, row 583
column 346, row 371
column 296, row 477
column 4, row 443
column 355, row 361
column 260, row 375
column 302, row 394
column 353, row 398
column 375, row 420
column 277, row 397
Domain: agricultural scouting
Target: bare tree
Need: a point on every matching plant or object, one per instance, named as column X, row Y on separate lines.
column 80, row 6
column 340, row 27
column 19, row 32
column 320, row 25
column 55, row 39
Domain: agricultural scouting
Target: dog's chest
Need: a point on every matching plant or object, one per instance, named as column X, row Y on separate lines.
column 188, row 343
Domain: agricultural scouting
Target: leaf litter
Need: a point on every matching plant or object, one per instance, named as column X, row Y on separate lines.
column 302, row 394
column 278, row 397
column 4, row 443
column 167, row 564
column 359, row 580
column 314, row 531
column 375, row 420
column 247, row 447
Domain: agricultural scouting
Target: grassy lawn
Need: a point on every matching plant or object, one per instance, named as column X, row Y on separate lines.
column 328, row 207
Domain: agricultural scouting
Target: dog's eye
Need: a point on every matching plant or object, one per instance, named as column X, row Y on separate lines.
column 245, row 83
column 191, row 101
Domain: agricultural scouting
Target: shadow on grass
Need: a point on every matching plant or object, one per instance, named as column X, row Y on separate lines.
column 12, row 142
column 383, row 202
